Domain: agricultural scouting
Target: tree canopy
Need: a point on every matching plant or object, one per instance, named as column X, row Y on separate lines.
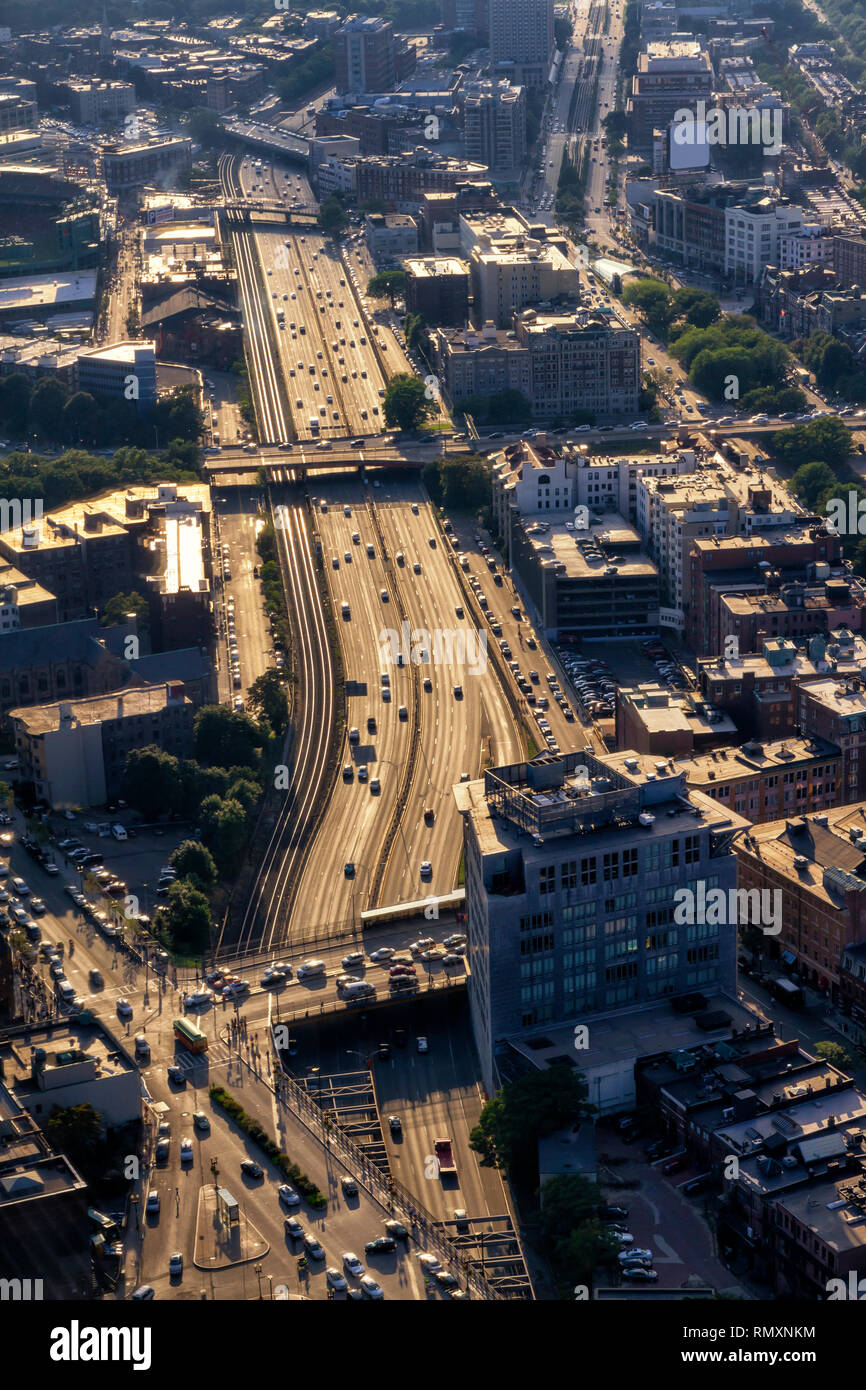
column 406, row 402
column 224, row 737
column 194, row 860
column 525, row 1110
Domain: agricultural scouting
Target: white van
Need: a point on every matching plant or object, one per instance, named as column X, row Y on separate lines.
column 309, row 969
column 65, row 991
column 359, row 989
column 119, row 832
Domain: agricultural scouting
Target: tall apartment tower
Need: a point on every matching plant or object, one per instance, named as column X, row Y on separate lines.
column 521, row 32
column 494, row 127
column 364, row 53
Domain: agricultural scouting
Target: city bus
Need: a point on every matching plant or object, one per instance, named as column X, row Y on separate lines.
column 190, row 1035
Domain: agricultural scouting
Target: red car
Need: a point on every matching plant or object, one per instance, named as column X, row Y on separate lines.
column 674, row 1165
column 401, row 970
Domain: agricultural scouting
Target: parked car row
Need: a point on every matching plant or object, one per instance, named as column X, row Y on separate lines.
column 593, row 682
column 669, row 670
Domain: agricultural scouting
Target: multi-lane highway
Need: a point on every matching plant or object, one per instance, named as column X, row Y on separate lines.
column 425, row 736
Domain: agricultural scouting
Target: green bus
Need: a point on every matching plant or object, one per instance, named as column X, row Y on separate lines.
column 191, row 1036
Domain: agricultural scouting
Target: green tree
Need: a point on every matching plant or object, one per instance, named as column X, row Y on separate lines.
column 813, row 482
column 223, row 737
column 837, row 1055
column 526, row 1110
column 247, row 792
column 115, row 611
column 826, row 440
column 15, row 392
column 509, row 407
column 331, row 216
column 567, row 1201
column 82, row 418
column 206, row 129
column 185, row 921
column 406, row 403
column 417, row 333
column 224, row 831
column 177, row 416
column 651, row 298
column 149, row 783
column 46, row 407
column 388, row 283
column 698, row 307
column 266, row 698
column 192, row 859
column 75, row 1130
column 585, row 1248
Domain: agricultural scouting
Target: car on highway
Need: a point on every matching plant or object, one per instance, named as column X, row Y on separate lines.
column 353, row 959
column 175, row 1264
column 293, row 1228
column 349, row 869
column 152, row 1205
column 382, row 953
column 349, row 1186
column 272, row 977
column 352, row 1264
column 426, row 870
column 395, row 1124
column 428, row 1262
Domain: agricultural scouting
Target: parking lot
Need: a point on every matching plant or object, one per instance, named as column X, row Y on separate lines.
column 137, row 861
column 646, row 661
column 668, row 1225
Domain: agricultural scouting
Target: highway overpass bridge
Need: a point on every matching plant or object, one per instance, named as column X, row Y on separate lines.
column 271, row 140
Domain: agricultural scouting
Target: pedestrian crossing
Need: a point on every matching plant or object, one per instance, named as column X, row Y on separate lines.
column 217, row 1052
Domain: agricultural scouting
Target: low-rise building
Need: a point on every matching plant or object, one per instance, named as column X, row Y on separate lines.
column 126, row 167
column 74, row 752
column 390, row 236
column 121, row 371
column 763, row 781
column 653, row 719
column 762, row 690
column 805, row 553
column 100, row 103
column 562, row 362
column 437, row 288
column 592, row 583
column 817, row 864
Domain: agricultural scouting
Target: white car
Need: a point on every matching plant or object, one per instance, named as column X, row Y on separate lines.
column 199, row 998
column 288, row 1195
column 186, row 1150
column 336, row 1280
column 353, row 1264
column 428, row 1262
column 371, row 1288
column 382, row 953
